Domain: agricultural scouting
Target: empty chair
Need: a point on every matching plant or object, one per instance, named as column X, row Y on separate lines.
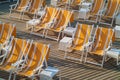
column 36, row 5
column 45, row 20
column 110, row 13
column 66, row 17
column 95, row 12
column 80, row 41
column 14, row 54
column 20, row 6
column 37, row 56
column 101, row 44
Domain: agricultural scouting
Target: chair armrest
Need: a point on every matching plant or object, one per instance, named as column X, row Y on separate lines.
column 17, row 63
column 107, row 48
column 38, row 68
column 88, row 44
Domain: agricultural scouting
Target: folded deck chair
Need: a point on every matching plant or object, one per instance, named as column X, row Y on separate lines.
column 38, row 55
column 101, row 44
column 35, row 7
column 81, row 40
column 8, row 31
column 20, row 6
column 111, row 12
column 95, row 12
column 65, row 18
column 45, row 21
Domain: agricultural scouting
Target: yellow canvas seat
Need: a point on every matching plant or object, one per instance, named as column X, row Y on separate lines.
column 95, row 12
column 20, row 6
column 36, row 5
column 9, row 30
column 38, row 55
column 102, row 43
column 81, row 39
column 65, row 18
column 111, row 11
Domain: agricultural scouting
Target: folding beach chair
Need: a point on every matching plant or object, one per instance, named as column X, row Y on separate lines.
column 35, row 7
column 101, row 44
column 110, row 13
column 8, row 31
column 65, row 18
column 96, row 9
column 19, row 49
column 20, row 6
column 81, row 40
column 45, row 21
column 13, row 54
column 38, row 55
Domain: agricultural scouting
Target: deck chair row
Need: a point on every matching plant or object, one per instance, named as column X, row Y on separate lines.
column 30, row 7
column 54, row 19
column 25, row 58
column 104, row 11
column 7, row 30
column 91, row 40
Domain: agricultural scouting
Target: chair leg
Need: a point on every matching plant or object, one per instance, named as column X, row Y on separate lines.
column 82, row 54
column 118, row 63
column 58, row 36
column 10, row 76
column 86, row 55
column 14, row 77
column 20, row 15
column 46, row 33
column 43, row 32
column 103, row 60
column 32, row 78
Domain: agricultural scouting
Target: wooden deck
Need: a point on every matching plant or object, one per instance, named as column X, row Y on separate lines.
column 70, row 70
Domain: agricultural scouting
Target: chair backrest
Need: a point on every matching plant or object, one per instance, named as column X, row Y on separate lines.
column 8, row 31
column 103, row 38
column 112, row 7
column 82, row 35
column 22, row 3
column 64, row 19
column 36, row 4
column 97, row 6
